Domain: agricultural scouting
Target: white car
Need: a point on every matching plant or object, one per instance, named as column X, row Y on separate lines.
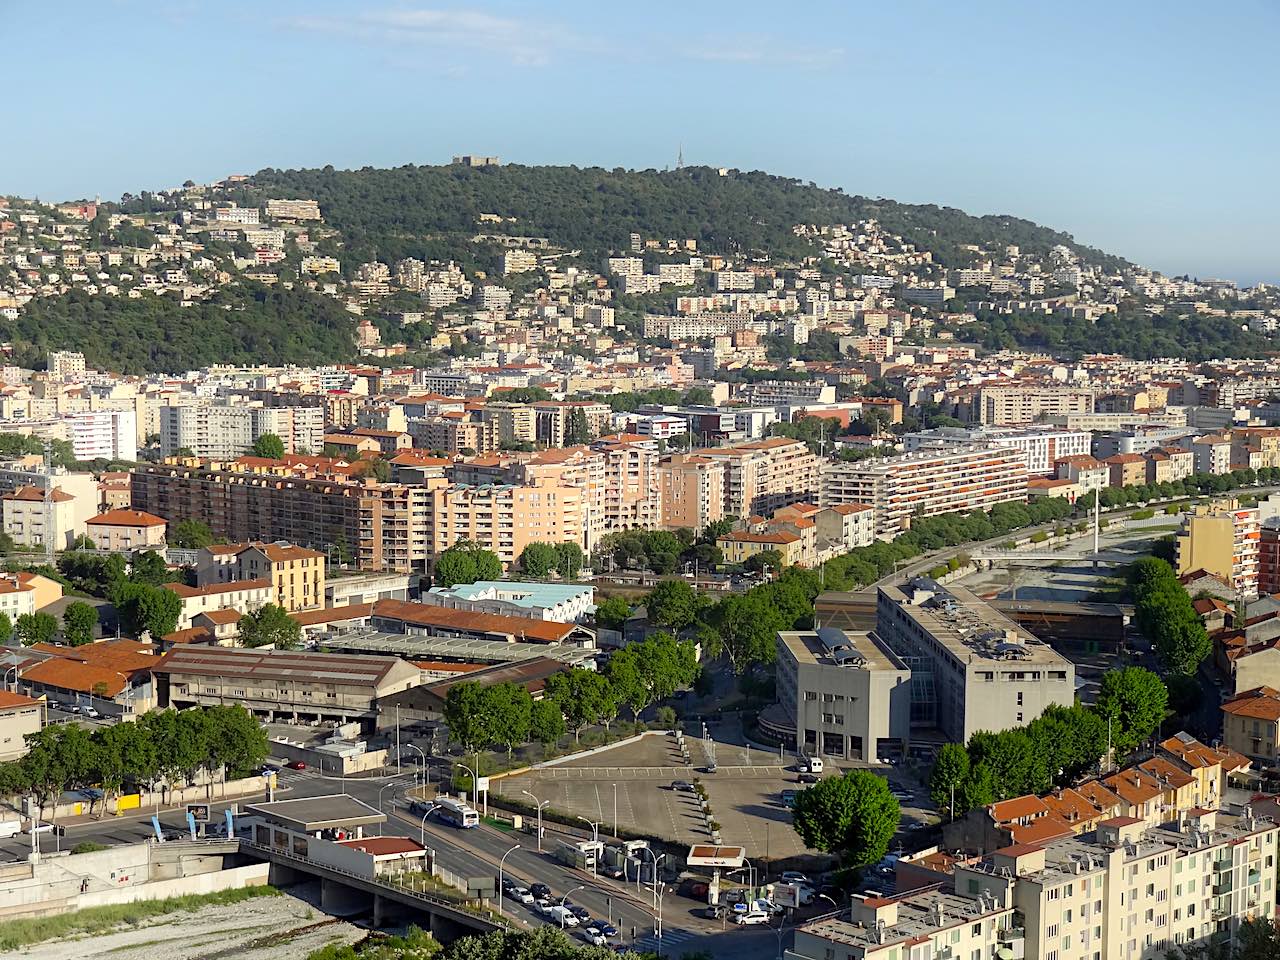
column 795, row 876
column 751, row 917
column 522, row 894
column 595, row 937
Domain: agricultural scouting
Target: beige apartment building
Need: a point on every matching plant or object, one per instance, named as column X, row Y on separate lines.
column 551, row 419
column 504, row 518
column 1003, row 406
column 1222, row 538
column 928, row 482
column 32, row 522
column 1251, row 724
column 124, row 531
column 691, row 491
column 297, row 574
column 20, row 716
column 761, row 476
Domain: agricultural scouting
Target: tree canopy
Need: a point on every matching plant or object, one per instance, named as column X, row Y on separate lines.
column 853, row 816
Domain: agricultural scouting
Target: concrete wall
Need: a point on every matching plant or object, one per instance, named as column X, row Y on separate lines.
column 200, row 793
column 233, row 878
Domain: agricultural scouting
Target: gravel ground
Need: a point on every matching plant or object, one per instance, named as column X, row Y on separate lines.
column 264, row 928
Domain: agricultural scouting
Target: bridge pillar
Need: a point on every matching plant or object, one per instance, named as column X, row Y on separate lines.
column 339, row 900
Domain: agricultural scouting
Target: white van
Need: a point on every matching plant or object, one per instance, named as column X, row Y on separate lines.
column 811, row 764
column 10, row 828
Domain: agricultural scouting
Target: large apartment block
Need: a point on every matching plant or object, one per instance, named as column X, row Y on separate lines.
column 761, row 476
column 940, row 479
column 1002, row 406
column 1040, row 446
column 1224, row 539
column 223, row 432
column 972, row 668
column 1125, row 891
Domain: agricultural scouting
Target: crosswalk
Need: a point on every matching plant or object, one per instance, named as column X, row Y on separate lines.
column 671, row 937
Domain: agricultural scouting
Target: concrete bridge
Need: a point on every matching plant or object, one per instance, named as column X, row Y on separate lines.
column 343, row 893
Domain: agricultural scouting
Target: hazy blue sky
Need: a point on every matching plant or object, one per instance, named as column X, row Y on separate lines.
column 1147, row 128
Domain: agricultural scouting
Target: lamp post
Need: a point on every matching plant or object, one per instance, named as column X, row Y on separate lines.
column 781, row 928
column 615, row 812
column 565, row 898
column 14, row 671
column 823, row 896
column 657, row 900
column 422, row 830
column 501, row 861
column 475, row 785
column 393, row 800
column 541, row 804
column 595, row 828
column 422, row 762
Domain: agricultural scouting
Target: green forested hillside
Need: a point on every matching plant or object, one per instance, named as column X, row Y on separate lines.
column 249, row 323
column 431, row 211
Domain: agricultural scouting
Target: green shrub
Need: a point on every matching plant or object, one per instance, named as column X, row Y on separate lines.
column 1039, row 537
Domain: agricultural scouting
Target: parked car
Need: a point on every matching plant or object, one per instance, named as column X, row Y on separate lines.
column 810, row 765
column 788, row 798
column 296, row 765
column 92, row 714
column 808, row 778
column 751, row 917
column 540, row 890
column 682, row 786
column 902, row 796
column 795, row 876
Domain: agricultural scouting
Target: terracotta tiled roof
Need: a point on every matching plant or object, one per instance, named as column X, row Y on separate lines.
column 217, row 589
column 1018, row 808
column 63, row 674
column 1038, row 831
column 36, row 495
column 1260, row 703
column 127, row 518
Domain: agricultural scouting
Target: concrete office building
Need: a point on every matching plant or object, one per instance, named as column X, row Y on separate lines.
column 972, row 668
column 847, row 694
column 1040, row 446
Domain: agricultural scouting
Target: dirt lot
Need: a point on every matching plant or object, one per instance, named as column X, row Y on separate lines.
column 264, row 928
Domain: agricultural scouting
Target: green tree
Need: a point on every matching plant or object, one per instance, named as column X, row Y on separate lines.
column 78, row 622
column 147, row 566
column 979, row 787
column 853, row 816
column 238, row 742
column 612, row 613
column 770, row 560
column 466, row 562
column 463, row 711
column 270, row 446
column 508, row 710
column 36, row 628
column 147, row 609
column 190, row 534
column 666, row 718
column 546, row 722
column 748, row 625
column 569, row 560
column 6, row 629
column 270, row 625
column 538, row 559
column 577, row 431
column 583, row 696
column 673, row 604
column 950, row 770
column 1134, row 700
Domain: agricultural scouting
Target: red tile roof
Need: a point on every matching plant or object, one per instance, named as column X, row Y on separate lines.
column 127, row 518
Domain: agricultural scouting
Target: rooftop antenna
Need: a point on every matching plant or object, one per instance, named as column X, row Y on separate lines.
column 680, row 157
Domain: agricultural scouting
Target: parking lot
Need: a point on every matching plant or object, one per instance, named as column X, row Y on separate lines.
column 744, row 792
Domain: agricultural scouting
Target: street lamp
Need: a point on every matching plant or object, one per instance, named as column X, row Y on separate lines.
column 422, row 830
column 393, row 800
column 781, row 928
column 475, row 786
column 500, row 863
column 658, row 900
column 541, row 804
column 595, row 828
column 565, row 898
column 422, row 763
column 823, row 896
column 14, row 671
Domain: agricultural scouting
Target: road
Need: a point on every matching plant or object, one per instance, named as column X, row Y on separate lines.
column 466, row 853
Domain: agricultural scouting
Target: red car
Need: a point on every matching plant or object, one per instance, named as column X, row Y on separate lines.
column 296, row 765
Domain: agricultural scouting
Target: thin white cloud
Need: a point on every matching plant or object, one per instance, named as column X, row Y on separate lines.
column 521, row 42
column 737, row 50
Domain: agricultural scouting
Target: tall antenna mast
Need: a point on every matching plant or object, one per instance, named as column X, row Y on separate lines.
column 48, row 502
column 680, row 157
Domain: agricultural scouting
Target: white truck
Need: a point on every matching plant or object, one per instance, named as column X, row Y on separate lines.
column 10, row 828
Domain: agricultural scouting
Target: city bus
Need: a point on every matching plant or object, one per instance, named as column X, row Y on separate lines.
column 456, row 813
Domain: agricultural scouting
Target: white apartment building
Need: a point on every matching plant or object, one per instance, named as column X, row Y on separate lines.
column 293, row 209
column 245, row 216
column 935, row 480
column 1039, row 446
column 722, row 280
column 1005, row 405
column 208, row 430
column 104, row 434
column 518, row 261
column 300, row 428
